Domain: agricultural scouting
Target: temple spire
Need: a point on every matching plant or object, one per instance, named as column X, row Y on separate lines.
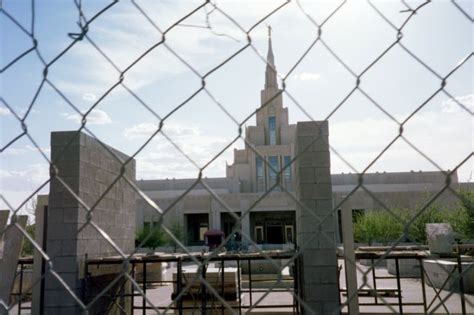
column 270, row 73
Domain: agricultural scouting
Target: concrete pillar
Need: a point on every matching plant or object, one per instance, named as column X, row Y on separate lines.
column 12, row 239
column 244, row 205
column 215, row 215
column 38, row 261
column 318, row 261
column 349, row 258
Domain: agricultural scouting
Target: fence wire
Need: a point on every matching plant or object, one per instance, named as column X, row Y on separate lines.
column 85, row 34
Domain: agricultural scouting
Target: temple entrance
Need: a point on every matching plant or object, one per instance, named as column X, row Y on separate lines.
column 228, row 222
column 272, row 227
column 197, row 225
column 275, row 234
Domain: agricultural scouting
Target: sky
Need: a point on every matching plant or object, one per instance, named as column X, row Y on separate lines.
column 439, row 35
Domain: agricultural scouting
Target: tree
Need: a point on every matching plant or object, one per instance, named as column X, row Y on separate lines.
column 151, row 237
column 417, row 230
column 462, row 218
column 27, row 247
column 377, row 226
column 177, row 230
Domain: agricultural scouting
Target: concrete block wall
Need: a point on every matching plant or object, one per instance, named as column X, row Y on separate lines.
column 318, row 261
column 89, row 170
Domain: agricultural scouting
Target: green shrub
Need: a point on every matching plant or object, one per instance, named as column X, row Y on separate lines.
column 462, row 218
column 381, row 227
column 178, row 231
column 467, row 206
column 377, row 227
column 417, row 230
column 152, row 237
column 27, row 247
column 159, row 237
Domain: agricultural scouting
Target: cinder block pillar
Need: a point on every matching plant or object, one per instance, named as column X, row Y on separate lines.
column 89, row 170
column 318, row 261
column 245, row 227
column 215, row 219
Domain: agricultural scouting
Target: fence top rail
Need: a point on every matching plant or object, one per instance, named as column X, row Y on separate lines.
column 166, row 257
column 396, row 248
column 377, row 254
column 392, row 254
column 25, row 260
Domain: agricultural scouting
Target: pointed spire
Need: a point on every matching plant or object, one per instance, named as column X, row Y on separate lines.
column 270, row 72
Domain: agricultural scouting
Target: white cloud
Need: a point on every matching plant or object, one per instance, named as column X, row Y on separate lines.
column 33, row 174
column 451, row 106
column 96, row 117
column 145, row 130
column 4, row 111
column 5, row 174
column 90, row 97
column 17, row 185
column 445, row 137
column 173, row 130
column 161, row 159
column 140, row 131
column 307, row 76
column 23, row 150
column 124, row 43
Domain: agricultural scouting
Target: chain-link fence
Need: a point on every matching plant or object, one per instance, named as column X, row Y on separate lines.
column 237, row 31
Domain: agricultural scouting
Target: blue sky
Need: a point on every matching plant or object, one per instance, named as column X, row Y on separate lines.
column 439, row 34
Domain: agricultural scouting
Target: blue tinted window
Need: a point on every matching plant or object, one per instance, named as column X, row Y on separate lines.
column 272, row 130
column 272, row 173
column 260, row 174
column 287, row 173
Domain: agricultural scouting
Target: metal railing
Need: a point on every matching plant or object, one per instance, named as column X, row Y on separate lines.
column 382, row 296
column 185, row 288
column 23, row 295
column 371, row 290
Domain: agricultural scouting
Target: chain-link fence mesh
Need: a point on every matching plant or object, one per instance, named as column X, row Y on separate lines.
column 239, row 36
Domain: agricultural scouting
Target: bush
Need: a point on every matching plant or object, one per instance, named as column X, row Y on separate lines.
column 377, row 226
column 417, row 230
column 152, row 237
column 467, row 206
column 27, row 247
column 462, row 218
column 159, row 237
column 177, row 229
column 381, row 227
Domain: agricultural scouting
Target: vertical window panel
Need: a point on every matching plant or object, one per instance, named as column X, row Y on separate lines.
column 272, row 173
column 260, row 174
column 272, row 130
column 287, row 180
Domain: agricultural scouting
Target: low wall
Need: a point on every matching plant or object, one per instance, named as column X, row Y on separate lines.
column 409, row 267
column 438, row 271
